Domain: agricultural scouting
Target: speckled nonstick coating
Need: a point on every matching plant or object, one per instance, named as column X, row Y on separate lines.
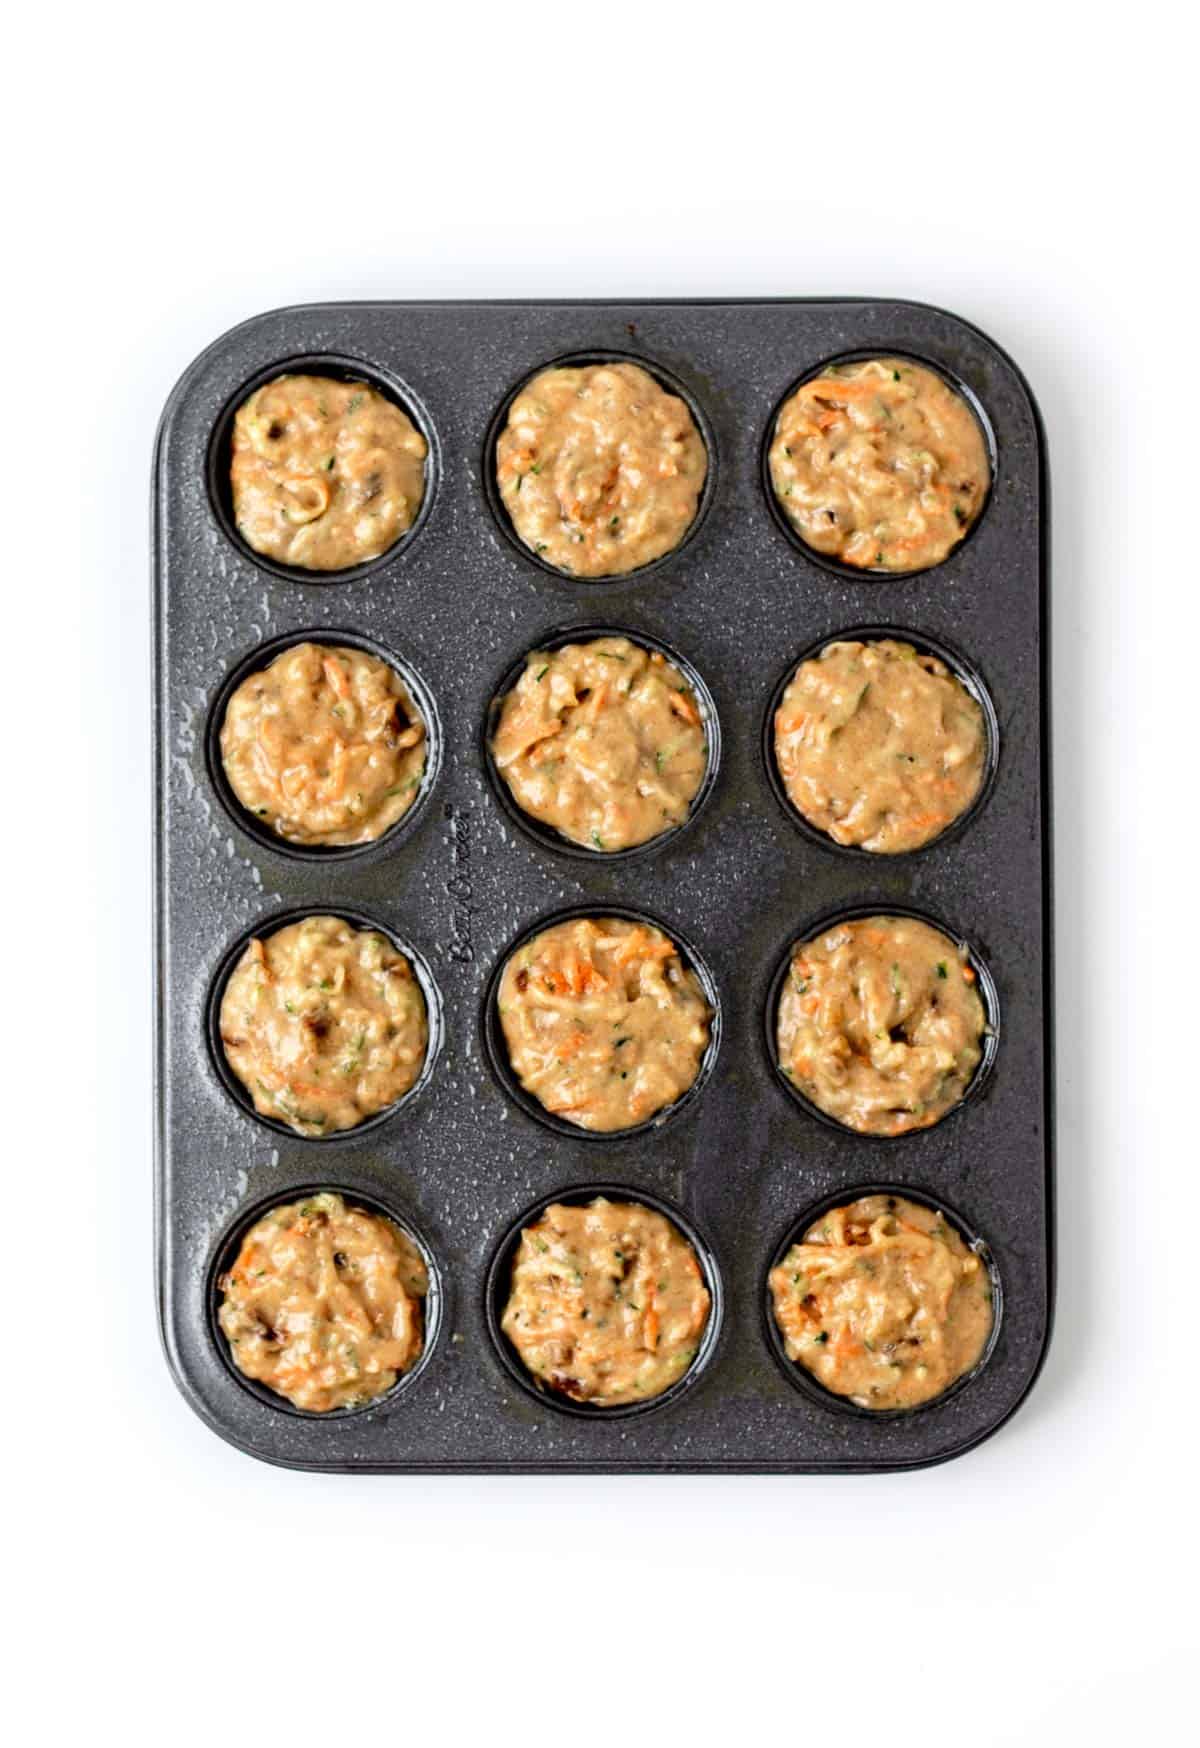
column 460, row 603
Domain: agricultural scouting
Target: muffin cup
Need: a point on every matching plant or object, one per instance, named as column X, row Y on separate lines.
column 803, row 1380
column 497, row 1285
column 963, row 671
column 985, row 983
column 546, row 836
column 269, row 925
column 225, row 1254
column 858, row 573
column 342, row 369
column 665, row 380
column 497, row 1048
column 246, row 822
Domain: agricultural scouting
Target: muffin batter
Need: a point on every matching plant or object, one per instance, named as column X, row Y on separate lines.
column 880, row 1024
column 604, row 741
column 325, row 745
column 599, row 468
column 325, row 473
column 608, row 1303
column 324, row 1024
column 879, row 464
column 883, row 1302
column 604, row 1024
column 323, row 1304
column 879, row 746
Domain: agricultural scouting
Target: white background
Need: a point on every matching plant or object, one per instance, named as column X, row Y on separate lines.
column 172, row 169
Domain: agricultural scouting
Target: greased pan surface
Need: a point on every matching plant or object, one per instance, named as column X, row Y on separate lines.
column 458, row 602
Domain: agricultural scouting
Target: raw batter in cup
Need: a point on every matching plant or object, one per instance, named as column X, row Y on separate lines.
column 323, row 1304
column 605, row 1026
column 880, row 1024
column 604, row 741
column 325, row 474
column 599, row 468
column 608, row 1303
column 879, row 746
column 883, row 1302
column 880, row 464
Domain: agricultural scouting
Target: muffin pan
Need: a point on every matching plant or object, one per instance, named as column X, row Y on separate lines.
column 740, row 1162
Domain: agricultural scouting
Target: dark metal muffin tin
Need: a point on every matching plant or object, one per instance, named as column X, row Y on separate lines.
column 458, row 601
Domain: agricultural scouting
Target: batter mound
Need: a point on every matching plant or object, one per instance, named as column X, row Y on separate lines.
column 883, row 1302
column 604, row 741
column 324, row 1024
column 880, row 1024
column 879, row 746
column 604, row 1024
column 599, row 468
column 325, row 473
column 608, row 1303
column 325, row 745
column 880, row 464
column 323, row 1304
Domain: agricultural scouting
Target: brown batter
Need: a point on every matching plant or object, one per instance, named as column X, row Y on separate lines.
column 883, row 1302
column 599, row 468
column 604, row 741
column 879, row 463
column 880, row 1024
column 608, row 1303
column 604, row 1024
column 323, row 1304
column 324, row 1024
column 325, row 473
column 879, row 746
column 324, row 745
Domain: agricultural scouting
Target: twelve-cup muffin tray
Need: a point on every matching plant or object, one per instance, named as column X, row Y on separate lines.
column 464, row 1158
